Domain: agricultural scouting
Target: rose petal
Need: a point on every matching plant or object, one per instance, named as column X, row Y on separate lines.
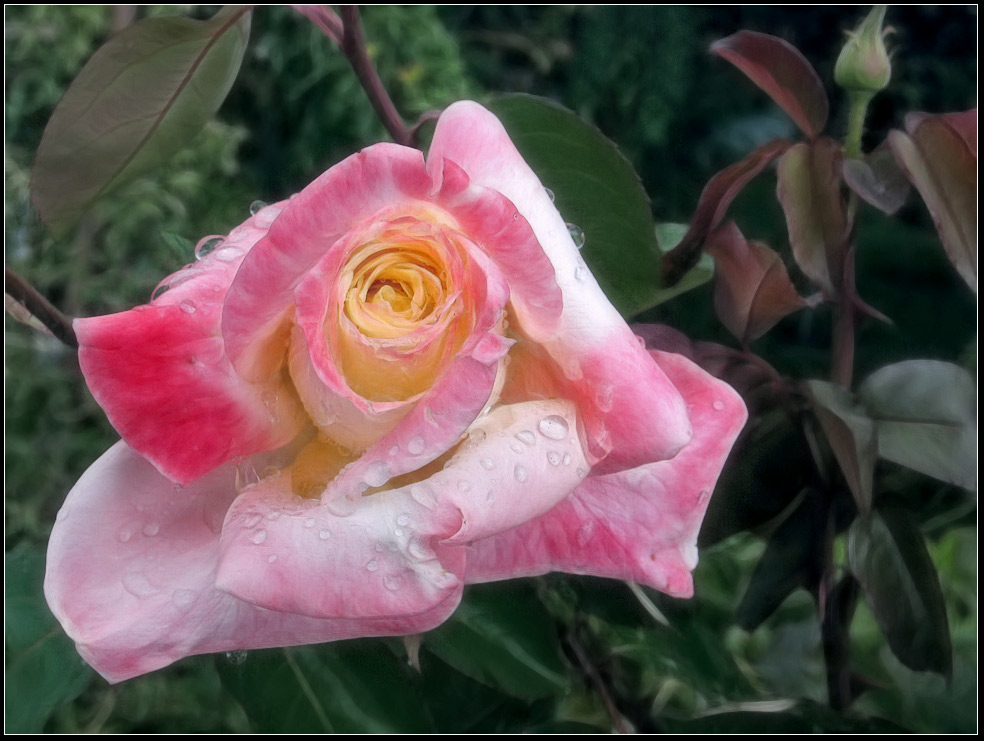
column 639, row 524
column 378, row 177
column 632, row 413
column 132, row 567
column 161, row 373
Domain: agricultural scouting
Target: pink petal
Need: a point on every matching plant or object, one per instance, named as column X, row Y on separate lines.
column 378, row 177
column 132, row 565
column 639, row 524
column 398, row 551
column 632, row 413
column 161, row 373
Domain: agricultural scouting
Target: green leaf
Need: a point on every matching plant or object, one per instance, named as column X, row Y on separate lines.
column 596, row 189
column 925, row 417
column 138, row 100
column 851, row 434
column 345, row 687
column 502, row 635
column 779, row 69
column 668, row 236
column 43, row 669
column 792, row 559
column 887, row 554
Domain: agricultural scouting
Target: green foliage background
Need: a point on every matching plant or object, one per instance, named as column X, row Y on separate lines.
column 643, row 76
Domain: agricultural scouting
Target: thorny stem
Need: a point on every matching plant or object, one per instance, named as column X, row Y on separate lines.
column 354, row 47
column 39, row 307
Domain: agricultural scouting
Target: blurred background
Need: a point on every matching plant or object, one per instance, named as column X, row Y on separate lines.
column 644, row 77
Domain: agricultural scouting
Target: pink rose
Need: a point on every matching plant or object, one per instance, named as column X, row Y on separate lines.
column 400, row 381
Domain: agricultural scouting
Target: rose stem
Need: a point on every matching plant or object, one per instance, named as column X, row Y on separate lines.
column 354, row 48
column 39, row 307
column 622, row 725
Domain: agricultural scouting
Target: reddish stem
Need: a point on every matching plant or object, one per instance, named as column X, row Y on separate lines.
column 39, row 307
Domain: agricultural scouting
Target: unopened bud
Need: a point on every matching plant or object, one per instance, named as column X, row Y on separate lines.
column 863, row 65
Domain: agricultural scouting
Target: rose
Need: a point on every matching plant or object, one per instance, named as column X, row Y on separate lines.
column 401, row 380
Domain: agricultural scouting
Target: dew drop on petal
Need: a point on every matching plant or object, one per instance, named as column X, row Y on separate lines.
column 554, row 458
column 206, row 245
column 324, row 534
column 393, row 581
column 372, row 565
column 272, row 558
column 577, row 234
column 151, row 529
column 487, row 463
column 256, row 206
column 227, row 254
column 521, row 473
column 253, row 520
column 236, row 657
column 377, row 473
column 550, row 194
column 309, row 522
column 395, row 450
column 403, row 519
column 477, row 435
column 527, row 437
column 416, row 445
column 580, row 273
column 187, row 307
column 516, row 447
column 161, row 289
column 398, row 532
column 567, row 460
column 418, row 550
column 464, row 487
column 718, row 405
column 123, row 534
column 137, row 584
column 554, row 427
column 260, row 536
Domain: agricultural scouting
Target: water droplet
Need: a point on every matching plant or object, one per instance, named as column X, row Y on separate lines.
column 187, row 307
column 123, row 534
column 324, row 534
column 403, row 519
column 487, row 463
column 554, row 427
column 260, row 536
column 377, row 473
column 520, row 473
column 580, row 273
column 227, row 254
column 183, row 599
column 550, row 194
column 579, row 472
column 516, row 216
column 718, row 405
column 703, row 497
column 236, row 657
column 399, row 532
column 394, row 450
column 161, row 289
column 206, row 245
column 372, row 565
column 393, row 581
column 554, row 457
column 256, row 206
column 516, row 447
column 423, row 496
column 416, row 445
column 567, row 459
column 151, row 529
column 525, row 436
column 477, row 435
column 309, row 522
column 273, row 514
column 577, row 234
column 641, row 341
column 272, row 558
column 253, row 520
column 137, row 584
column 464, row 487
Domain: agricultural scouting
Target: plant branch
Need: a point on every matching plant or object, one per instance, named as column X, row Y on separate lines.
column 39, row 307
column 354, row 47
column 621, row 724
column 324, row 18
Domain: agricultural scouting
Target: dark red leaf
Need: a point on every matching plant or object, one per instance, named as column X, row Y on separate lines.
column 878, row 179
column 752, row 291
column 782, row 71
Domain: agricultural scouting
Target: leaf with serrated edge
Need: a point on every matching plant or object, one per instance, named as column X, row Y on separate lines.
column 851, row 435
column 780, row 70
column 887, row 554
column 924, row 412
column 137, row 101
